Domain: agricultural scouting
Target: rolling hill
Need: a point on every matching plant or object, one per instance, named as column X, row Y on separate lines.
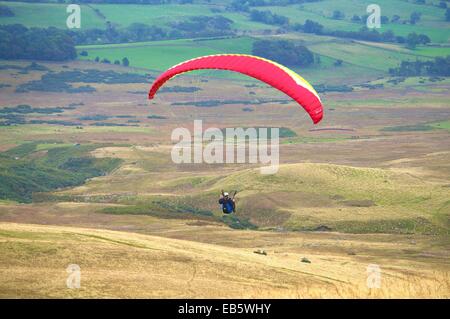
column 123, row 265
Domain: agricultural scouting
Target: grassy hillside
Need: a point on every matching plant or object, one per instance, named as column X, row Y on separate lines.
column 33, row 261
column 43, row 166
column 431, row 23
column 369, row 184
column 298, row 197
column 347, row 199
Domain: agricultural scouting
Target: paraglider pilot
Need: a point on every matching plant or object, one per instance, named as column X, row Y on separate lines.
column 228, row 203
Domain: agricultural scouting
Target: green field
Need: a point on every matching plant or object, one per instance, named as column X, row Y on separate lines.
column 432, row 20
column 48, row 14
column 159, row 55
column 363, row 60
column 52, row 14
column 360, row 59
column 365, row 56
column 124, row 15
column 300, row 15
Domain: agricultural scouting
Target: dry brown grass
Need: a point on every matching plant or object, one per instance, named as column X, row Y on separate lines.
column 115, row 264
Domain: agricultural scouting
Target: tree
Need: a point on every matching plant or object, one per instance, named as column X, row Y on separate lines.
column 284, row 52
column 6, row 11
column 356, row 18
column 415, row 17
column 318, row 60
column 388, row 36
column 423, row 39
column 125, row 61
column 412, row 40
column 19, row 42
column 395, row 18
column 268, row 17
column 384, row 20
column 312, row 27
column 439, row 67
column 338, row 15
column 238, row 5
column 364, row 19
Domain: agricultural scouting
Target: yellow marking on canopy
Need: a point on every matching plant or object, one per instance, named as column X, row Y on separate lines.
column 297, row 78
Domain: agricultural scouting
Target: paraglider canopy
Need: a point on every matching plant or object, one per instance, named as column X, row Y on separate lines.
column 270, row 72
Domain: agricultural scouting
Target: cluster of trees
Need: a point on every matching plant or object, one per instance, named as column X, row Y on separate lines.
column 244, row 5
column 268, row 17
column 338, row 15
column 133, row 33
column 412, row 40
column 6, row 11
column 19, row 42
column 202, row 26
column 413, row 18
column 284, row 52
column 125, row 61
column 309, row 27
column 440, row 66
column 192, row 27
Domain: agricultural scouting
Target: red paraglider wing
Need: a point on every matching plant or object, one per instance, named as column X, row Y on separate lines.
column 264, row 70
